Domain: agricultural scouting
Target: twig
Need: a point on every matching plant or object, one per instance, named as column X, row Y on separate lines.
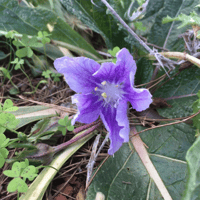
column 181, row 96
column 91, row 162
column 97, row 171
column 186, row 119
column 167, row 62
column 127, row 27
column 182, row 56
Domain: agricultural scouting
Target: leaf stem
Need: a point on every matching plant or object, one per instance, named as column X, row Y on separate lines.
column 64, row 145
column 27, row 77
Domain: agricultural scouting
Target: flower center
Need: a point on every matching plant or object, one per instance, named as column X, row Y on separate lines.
column 110, row 93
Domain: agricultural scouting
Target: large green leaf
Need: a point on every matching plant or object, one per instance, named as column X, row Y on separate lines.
column 26, row 20
column 192, row 191
column 99, row 20
column 28, row 114
column 159, row 33
column 186, row 83
column 125, row 177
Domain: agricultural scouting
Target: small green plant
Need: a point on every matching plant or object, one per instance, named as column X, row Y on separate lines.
column 139, row 26
column 3, row 151
column 113, row 53
column 20, row 172
column 43, row 35
column 48, row 73
column 193, row 19
column 26, row 45
column 18, row 63
column 196, row 119
column 65, row 124
column 7, row 120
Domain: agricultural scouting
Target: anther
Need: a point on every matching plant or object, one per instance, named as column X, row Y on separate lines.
column 95, row 88
column 104, row 95
column 103, row 83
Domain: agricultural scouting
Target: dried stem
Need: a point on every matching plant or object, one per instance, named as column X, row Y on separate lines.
column 180, row 56
column 184, row 120
column 127, row 27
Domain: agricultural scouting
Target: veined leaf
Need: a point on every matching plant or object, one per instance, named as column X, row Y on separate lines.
column 125, row 171
column 186, row 83
column 166, row 34
column 193, row 159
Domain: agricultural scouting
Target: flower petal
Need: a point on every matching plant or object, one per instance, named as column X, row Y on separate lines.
column 123, row 71
column 108, row 116
column 125, row 60
column 140, row 99
column 122, row 120
column 78, row 72
column 88, row 108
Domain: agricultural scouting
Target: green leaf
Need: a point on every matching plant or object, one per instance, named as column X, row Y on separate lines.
column 14, row 91
column 29, row 52
column 22, row 52
column 56, row 77
column 34, row 42
column 139, row 26
column 114, row 51
column 15, row 61
column 70, row 128
column 3, row 151
column 18, row 63
column 100, row 20
column 17, row 184
column 31, row 114
column 5, row 73
column 62, row 129
column 44, row 129
column 186, row 83
column 2, row 160
column 41, row 19
column 4, row 142
column 25, row 40
column 29, row 172
column 7, row 104
column 52, row 51
column 2, row 139
column 3, row 55
column 125, row 171
column 62, row 122
column 196, row 119
column 10, row 34
column 144, row 71
column 46, row 73
column 17, row 43
column 192, row 19
column 15, row 172
column 193, row 159
column 166, row 34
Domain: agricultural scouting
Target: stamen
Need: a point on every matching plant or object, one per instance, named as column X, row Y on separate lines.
column 116, row 85
column 104, row 95
column 103, row 83
column 96, row 88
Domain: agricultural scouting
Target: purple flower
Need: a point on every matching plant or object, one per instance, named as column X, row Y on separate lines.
column 105, row 90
